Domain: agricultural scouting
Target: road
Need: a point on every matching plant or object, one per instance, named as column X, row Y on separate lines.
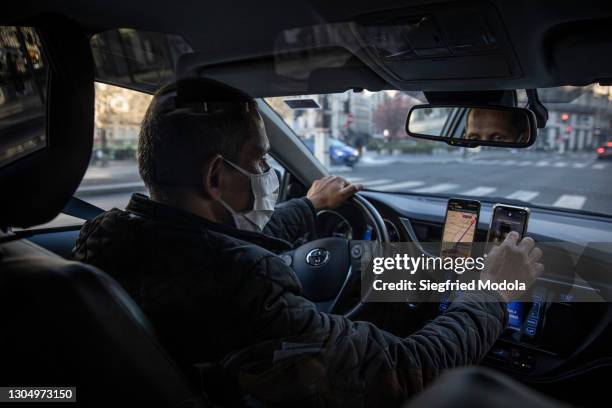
column 575, row 181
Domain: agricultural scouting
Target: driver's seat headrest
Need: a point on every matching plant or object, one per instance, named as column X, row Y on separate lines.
column 36, row 187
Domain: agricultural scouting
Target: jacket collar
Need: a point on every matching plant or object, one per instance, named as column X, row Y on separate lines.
column 143, row 206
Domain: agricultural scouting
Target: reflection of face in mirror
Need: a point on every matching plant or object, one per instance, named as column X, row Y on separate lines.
column 492, row 125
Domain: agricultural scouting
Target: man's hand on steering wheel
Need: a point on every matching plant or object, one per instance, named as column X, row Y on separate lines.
column 331, row 192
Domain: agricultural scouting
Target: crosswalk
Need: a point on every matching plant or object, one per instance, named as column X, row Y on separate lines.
column 388, row 180
column 479, row 191
column 570, row 201
column 401, row 185
column 437, row 188
column 372, row 183
column 587, row 165
column 523, row 195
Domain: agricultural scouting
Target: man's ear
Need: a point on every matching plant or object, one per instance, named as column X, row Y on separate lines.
column 212, row 177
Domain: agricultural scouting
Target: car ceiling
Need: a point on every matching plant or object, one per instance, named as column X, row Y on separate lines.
column 543, row 44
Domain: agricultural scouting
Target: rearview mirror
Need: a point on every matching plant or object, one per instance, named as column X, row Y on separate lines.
column 472, row 126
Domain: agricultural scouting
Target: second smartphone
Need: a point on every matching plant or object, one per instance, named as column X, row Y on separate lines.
column 459, row 227
column 507, row 218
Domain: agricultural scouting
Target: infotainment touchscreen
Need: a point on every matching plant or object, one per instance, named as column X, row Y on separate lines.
column 523, row 317
column 515, row 315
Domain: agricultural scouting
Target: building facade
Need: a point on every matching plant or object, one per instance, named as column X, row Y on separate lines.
column 581, row 122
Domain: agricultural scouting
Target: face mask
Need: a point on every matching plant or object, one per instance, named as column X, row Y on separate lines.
column 264, row 187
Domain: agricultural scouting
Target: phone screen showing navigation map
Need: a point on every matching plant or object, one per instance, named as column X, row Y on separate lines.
column 459, row 228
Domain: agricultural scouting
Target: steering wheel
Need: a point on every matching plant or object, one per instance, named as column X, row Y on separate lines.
column 325, row 266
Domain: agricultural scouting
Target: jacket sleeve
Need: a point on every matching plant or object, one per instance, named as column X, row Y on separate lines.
column 342, row 362
column 294, row 221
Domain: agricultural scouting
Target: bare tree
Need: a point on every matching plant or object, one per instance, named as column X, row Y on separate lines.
column 391, row 115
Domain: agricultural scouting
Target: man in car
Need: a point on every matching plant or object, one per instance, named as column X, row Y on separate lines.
column 494, row 125
column 199, row 258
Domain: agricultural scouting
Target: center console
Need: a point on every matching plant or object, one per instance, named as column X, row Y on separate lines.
column 543, row 332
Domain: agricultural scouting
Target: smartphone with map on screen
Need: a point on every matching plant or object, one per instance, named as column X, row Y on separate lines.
column 459, row 227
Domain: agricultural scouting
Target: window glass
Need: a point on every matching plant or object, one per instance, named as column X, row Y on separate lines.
column 112, row 175
column 23, row 86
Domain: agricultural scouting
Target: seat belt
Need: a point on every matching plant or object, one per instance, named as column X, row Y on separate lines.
column 81, row 209
column 75, row 207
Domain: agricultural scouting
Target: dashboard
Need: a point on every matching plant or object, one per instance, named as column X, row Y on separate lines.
column 549, row 338
column 333, row 224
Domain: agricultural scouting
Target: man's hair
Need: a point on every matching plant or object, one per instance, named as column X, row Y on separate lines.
column 179, row 132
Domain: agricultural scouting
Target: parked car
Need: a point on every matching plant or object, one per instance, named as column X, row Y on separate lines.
column 340, row 154
column 605, row 151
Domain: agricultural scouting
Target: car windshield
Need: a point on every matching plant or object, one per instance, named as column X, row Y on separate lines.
column 566, row 167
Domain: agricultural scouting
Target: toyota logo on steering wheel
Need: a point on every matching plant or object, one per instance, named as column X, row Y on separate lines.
column 317, row 257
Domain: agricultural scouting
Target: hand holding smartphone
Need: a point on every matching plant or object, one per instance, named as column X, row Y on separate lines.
column 507, row 218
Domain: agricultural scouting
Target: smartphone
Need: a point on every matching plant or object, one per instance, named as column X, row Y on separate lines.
column 507, row 218
column 459, row 227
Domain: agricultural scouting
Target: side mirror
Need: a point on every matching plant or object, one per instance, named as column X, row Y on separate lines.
column 472, row 126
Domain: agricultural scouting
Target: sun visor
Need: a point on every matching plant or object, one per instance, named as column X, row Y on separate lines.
column 322, row 71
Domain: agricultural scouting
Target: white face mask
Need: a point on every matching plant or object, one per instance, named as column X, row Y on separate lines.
column 265, row 188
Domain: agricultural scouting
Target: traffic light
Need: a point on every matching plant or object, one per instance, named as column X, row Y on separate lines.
column 565, row 117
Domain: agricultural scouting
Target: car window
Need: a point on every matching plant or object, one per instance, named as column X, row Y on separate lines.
column 112, row 175
column 23, row 89
column 568, row 167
